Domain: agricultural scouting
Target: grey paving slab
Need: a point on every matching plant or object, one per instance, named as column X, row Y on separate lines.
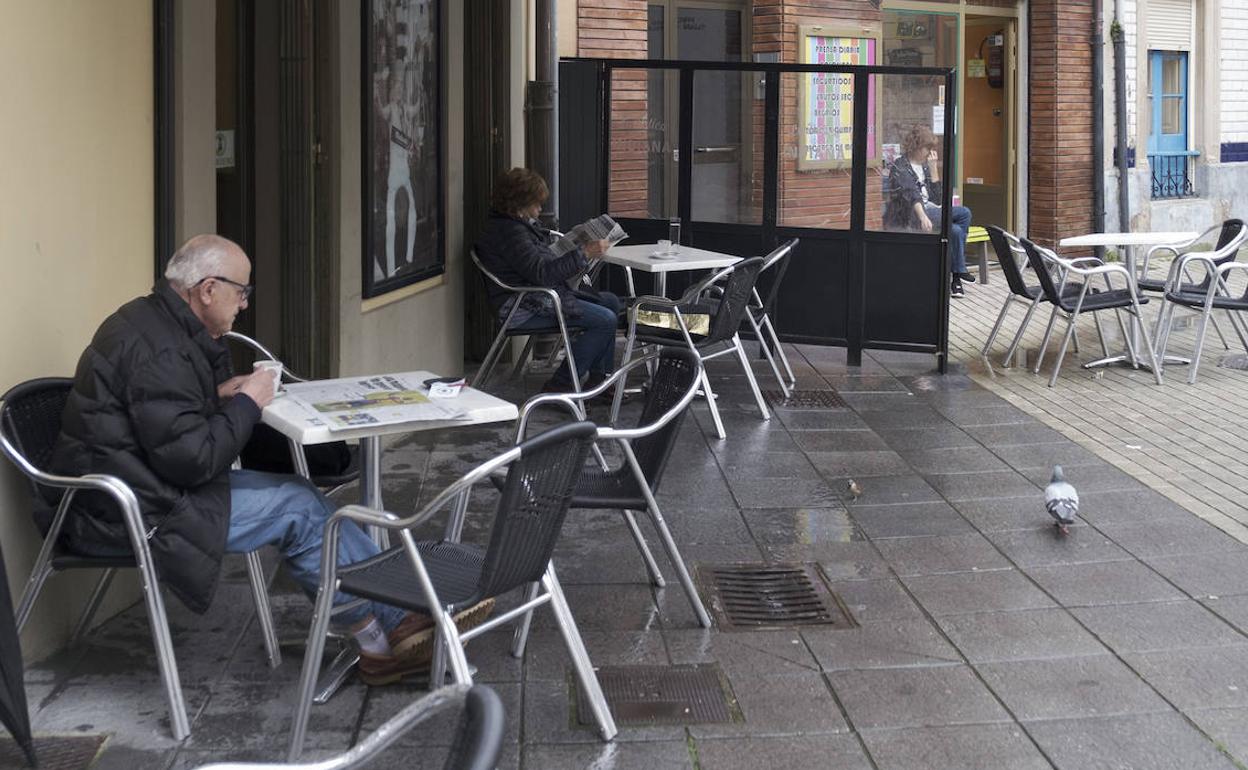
column 966, row 592
column 868, row 383
column 1197, row 678
column 751, row 654
column 872, row 601
column 1015, row 435
column 1098, row 583
column 1227, row 727
column 1233, row 609
column 546, row 655
column 1097, row 477
column 837, row 441
column 1005, row 513
column 909, row 520
column 548, row 717
column 823, row 419
column 989, row 637
column 982, row 414
column 1129, row 507
column 783, row 492
column 877, row 402
column 1067, row 688
column 839, row 561
column 1046, row 545
column 968, row 747
column 970, row 552
column 861, row 464
column 980, row 485
column 779, row 705
column 888, row 490
column 658, row 755
column 771, row 465
column 1159, row 626
column 1216, row 574
column 1172, row 538
column 926, row 438
column 791, row 751
column 606, row 608
column 1044, row 456
column 882, row 644
column 914, row 416
column 801, row 525
column 968, row 459
column 1138, row 741
column 915, row 697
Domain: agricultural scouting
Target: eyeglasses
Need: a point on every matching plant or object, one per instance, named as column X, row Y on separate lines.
column 245, row 288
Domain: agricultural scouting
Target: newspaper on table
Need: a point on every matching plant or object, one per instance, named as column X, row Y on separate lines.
column 600, row 228
column 369, row 401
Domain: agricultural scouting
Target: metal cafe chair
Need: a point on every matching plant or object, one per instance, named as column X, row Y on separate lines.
column 726, row 307
column 1205, row 297
column 1011, row 255
column 1230, row 238
column 443, row 577
column 30, row 420
column 646, row 448
column 759, row 312
column 1069, row 307
column 478, row 738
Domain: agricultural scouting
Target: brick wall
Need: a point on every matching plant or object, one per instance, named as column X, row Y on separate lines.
column 1060, row 124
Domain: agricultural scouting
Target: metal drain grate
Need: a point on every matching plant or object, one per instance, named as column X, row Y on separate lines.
column 805, row 399
column 55, row 752
column 747, row 597
column 1238, row 361
column 663, row 695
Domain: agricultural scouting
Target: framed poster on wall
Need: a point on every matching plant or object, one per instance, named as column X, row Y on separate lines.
column 404, row 230
column 825, row 120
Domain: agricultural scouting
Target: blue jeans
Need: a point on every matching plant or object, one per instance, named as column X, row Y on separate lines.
column 288, row 512
column 594, row 347
column 959, row 223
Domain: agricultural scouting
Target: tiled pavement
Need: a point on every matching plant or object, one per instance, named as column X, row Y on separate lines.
column 985, row 640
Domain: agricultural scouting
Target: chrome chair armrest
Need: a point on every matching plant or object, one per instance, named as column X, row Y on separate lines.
column 262, row 350
column 570, row 400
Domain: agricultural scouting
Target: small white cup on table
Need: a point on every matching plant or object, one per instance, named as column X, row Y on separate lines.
column 271, row 366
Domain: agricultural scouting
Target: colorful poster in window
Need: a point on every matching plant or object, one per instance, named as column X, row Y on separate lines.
column 827, row 111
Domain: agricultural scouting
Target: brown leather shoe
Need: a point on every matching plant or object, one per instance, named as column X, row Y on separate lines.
column 411, row 646
column 379, row 670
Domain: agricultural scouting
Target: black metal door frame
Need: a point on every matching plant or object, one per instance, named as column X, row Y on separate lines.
column 929, row 334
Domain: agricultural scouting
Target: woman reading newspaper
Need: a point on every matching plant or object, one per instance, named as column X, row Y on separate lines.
column 521, row 252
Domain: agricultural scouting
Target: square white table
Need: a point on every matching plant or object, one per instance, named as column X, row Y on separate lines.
column 636, row 256
column 1129, row 242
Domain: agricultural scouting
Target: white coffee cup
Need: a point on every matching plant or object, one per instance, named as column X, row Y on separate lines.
column 271, row 366
column 664, row 247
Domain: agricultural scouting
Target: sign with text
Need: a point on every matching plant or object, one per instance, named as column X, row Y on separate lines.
column 826, row 114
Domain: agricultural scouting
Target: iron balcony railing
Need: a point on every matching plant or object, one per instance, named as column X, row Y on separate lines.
column 1173, row 173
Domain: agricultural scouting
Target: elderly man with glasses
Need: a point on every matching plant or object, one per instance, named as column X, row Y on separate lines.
column 154, row 403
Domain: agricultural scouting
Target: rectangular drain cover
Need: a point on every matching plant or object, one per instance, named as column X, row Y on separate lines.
column 805, row 399
column 749, row 597
column 663, row 695
column 54, row 752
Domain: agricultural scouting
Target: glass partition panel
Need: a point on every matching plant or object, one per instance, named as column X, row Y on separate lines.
column 727, row 184
column 816, row 140
column 906, row 183
column 644, row 134
column 913, row 39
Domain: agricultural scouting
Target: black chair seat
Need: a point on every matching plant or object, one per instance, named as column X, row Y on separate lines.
column 1155, row 284
column 1101, row 300
column 388, row 577
column 1069, row 290
column 63, row 560
column 609, row 490
column 1197, row 299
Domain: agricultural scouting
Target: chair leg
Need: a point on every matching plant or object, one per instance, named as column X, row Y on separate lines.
column 678, row 563
column 710, row 403
column 1100, row 333
column 523, row 358
column 1218, row 330
column 264, row 613
column 996, row 327
column 1044, row 343
column 92, row 605
column 521, row 636
column 779, row 349
column 580, row 657
column 163, row 642
column 491, row 358
column 652, row 568
column 618, row 398
column 312, row 653
column 749, row 375
column 34, row 586
column 775, row 368
column 1200, row 344
column 1061, row 353
column 1012, row 350
column 437, row 666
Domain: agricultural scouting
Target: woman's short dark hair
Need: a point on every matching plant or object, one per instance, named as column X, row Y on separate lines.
column 518, row 189
column 918, row 138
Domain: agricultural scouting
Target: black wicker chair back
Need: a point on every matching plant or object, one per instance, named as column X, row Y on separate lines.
column 1009, row 264
column 676, row 373
column 533, row 503
column 32, row 421
column 776, row 272
column 1041, row 269
column 732, row 305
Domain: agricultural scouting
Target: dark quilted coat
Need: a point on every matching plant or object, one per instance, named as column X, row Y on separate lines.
column 144, row 408
column 518, row 252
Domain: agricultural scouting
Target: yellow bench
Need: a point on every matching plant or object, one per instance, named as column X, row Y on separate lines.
column 979, row 235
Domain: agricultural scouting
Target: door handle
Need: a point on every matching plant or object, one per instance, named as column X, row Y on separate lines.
column 729, row 148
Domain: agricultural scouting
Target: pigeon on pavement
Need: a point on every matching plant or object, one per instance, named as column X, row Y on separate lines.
column 1061, row 500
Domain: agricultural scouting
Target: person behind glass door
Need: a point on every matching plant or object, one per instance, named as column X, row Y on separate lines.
column 913, row 191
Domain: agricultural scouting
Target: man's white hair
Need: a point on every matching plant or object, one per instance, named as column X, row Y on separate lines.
column 201, row 257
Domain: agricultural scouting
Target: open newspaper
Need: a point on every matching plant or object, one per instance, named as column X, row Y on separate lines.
column 600, row 228
column 369, row 401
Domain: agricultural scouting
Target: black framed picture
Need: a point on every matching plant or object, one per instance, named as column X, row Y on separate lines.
column 404, row 230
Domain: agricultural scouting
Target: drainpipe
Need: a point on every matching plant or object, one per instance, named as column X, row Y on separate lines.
column 1098, row 123
column 541, row 109
column 1120, row 118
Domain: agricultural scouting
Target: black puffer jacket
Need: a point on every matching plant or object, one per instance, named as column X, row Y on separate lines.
column 518, row 252
column 144, row 408
column 902, row 189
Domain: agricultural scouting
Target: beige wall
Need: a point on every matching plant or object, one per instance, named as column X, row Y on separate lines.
column 423, row 330
column 76, row 218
